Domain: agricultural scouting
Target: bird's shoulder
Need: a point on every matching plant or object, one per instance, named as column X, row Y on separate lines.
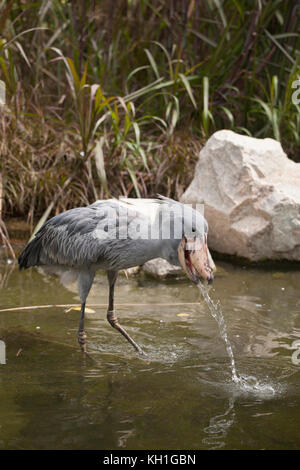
column 82, row 220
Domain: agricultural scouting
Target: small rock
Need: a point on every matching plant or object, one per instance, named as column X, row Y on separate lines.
column 132, row 271
column 160, row 268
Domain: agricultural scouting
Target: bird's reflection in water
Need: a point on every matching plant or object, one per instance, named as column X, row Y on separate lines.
column 219, row 426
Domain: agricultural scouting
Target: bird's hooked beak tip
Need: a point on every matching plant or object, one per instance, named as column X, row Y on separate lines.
column 196, row 260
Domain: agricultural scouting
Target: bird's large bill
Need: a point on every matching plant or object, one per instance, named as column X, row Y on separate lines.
column 196, row 260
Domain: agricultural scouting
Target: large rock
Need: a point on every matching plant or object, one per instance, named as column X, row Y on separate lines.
column 251, row 196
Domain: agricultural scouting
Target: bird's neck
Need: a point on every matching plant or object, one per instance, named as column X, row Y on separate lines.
column 168, row 251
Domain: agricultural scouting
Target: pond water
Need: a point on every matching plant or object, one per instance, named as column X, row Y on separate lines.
column 182, row 396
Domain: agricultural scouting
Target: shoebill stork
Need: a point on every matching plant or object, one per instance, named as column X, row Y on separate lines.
column 118, row 234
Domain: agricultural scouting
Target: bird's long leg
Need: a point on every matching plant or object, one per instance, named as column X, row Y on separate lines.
column 111, row 317
column 85, row 281
column 81, row 333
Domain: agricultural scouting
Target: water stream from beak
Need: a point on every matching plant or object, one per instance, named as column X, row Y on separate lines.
column 247, row 383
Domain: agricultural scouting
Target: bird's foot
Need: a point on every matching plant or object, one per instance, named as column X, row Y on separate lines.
column 113, row 320
column 82, row 340
column 142, row 353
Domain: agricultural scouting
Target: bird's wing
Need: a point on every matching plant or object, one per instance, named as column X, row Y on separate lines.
column 85, row 235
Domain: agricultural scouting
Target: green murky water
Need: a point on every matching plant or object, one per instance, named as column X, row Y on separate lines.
column 51, row 397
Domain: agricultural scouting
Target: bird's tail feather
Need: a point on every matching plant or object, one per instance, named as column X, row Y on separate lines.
column 30, row 256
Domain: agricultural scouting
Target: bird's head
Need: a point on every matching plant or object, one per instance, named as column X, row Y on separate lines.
column 189, row 229
column 195, row 259
column 193, row 252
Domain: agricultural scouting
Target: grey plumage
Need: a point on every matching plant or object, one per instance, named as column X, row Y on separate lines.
column 105, row 235
column 69, row 239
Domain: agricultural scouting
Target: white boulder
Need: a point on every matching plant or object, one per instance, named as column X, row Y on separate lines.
column 251, row 195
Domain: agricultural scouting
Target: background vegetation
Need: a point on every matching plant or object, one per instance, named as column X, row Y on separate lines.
column 116, row 97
